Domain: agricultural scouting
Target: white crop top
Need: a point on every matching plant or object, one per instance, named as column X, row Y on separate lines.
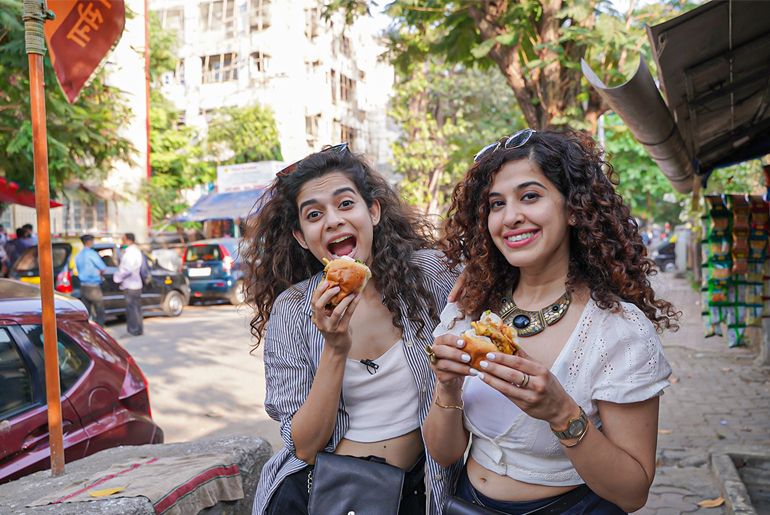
column 614, row 357
column 383, row 404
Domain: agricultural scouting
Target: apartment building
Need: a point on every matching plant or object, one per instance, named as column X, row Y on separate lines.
column 323, row 79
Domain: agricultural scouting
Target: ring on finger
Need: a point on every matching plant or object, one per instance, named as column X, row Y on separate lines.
column 524, row 381
column 312, row 311
column 431, row 354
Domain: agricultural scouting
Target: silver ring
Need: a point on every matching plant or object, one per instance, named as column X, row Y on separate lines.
column 312, row 311
column 524, row 381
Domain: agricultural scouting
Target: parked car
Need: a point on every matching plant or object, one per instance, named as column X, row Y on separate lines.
column 665, row 255
column 169, row 291
column 215, row 269
column 105, row 400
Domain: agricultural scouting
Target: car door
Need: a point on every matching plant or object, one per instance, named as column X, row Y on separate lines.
column 24, row 446
column 114, row 300
column 153, row 292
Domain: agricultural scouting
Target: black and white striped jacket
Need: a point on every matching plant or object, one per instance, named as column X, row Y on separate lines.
column 292, row 350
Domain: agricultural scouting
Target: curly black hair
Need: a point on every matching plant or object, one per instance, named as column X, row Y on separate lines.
column 276, row 262
column 607, row 255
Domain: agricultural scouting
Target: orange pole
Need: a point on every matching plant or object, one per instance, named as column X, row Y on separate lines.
column 43, row 207
column 147, row 88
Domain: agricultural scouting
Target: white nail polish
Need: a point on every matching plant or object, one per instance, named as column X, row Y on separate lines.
column 481, row 375
column 460, row 343
column 474, row 372
column 466, row 358
column 484, row 364
column 491, row 356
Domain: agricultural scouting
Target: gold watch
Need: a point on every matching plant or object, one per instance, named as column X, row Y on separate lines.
column 575, row 427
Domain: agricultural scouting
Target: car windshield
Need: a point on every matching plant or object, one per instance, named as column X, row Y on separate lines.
column 203, row 253
column 29, row 260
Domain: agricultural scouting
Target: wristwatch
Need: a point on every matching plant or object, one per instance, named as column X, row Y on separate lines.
column 575, row 427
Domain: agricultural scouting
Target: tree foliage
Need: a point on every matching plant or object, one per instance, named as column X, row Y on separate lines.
column 536, row 45
column 244, row 135
column 84, row 139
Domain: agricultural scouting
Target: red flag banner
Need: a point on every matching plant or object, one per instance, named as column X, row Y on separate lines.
column 80, row 38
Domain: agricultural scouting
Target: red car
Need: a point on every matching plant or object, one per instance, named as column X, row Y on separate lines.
column 105, row 402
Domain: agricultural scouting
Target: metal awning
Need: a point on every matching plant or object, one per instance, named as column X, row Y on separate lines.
column 714, row 69
column 224, row 206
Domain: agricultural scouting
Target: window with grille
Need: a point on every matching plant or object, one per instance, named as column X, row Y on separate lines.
column 312, row 21
column 345, row 45
column 220, row 68
column 218, row 16
column 348, row 134
column 173, row 19
column 347, row 88
column 334, row 86
column 259, row 61
column 259, row 14
column 88, row 217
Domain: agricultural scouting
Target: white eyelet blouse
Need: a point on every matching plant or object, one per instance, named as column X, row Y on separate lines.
column 614, row 357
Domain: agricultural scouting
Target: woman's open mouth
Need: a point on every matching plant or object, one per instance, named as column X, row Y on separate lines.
column 342, row 246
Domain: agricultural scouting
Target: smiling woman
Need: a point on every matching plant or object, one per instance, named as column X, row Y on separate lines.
column 347, row 377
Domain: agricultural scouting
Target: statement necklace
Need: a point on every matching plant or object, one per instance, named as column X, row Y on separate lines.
column 528, row 323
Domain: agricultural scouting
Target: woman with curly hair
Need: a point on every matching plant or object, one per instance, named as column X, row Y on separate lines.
column 354, row 380
column 569, row 424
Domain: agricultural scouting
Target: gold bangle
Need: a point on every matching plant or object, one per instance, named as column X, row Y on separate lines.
column 579, row 439
column 447, row 406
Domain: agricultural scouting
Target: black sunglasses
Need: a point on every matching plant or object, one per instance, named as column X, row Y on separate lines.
column 516, row 140
column 336, row 148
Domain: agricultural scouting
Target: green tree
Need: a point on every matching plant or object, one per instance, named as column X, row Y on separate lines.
column 83, row 138
column 244, row 135
column 535, row 44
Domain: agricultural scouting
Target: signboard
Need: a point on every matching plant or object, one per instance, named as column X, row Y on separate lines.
column 80, row 38
column 247, row 176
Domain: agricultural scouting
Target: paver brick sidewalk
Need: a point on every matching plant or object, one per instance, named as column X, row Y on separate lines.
column 719, row 397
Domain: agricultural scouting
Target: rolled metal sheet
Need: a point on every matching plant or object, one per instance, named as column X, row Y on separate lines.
column 640, row 106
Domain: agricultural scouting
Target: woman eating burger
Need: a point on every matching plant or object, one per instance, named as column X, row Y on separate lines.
column 345, row 366
column 567, row 423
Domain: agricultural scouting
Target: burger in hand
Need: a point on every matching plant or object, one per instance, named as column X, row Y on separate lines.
column 349, row 274
column 489, row 334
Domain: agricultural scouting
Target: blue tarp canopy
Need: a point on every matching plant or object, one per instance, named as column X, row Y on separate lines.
column 223, row 206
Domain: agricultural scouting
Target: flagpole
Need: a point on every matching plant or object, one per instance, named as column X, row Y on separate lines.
column 35, row 14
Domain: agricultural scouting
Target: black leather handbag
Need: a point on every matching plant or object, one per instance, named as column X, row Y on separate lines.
column 457, row 506
column 344, row 485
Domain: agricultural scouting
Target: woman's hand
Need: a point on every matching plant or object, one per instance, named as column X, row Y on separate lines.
column 334, row 324
column 531, row 386
column 451, row 362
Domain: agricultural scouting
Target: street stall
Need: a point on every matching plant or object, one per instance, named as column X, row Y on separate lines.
column 223, row 213
column 712, row 65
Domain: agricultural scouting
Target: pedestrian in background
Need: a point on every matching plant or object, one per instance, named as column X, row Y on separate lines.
column 129, row 278
column 569, row 424
column 32, row 235
column 16, row 247
column 90, row 266
column 3, row 236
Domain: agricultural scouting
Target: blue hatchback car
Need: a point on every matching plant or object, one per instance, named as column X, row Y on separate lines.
column 215, row 269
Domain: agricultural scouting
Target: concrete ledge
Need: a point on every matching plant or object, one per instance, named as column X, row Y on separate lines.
column 737, row 500
column 250, row 454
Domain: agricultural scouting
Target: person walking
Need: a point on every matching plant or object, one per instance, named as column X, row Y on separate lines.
column 90, row 266
column 15, row 248
column 129, row 278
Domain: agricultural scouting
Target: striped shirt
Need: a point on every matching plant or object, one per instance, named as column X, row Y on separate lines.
column 292, row 351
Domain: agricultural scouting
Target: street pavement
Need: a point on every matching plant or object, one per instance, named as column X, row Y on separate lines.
column 204, row 383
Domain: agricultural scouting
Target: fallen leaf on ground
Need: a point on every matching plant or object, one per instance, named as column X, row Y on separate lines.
column 688, row 376
column 665, row 431
column 712, row 503
column 214, row 415
column 674, row 380
column 726, row 369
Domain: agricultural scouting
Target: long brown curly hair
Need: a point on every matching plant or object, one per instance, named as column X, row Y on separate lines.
column 275, row 261
column 607, row 254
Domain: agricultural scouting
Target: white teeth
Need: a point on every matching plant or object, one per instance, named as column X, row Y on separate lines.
column 520, row 237
column 343, row 238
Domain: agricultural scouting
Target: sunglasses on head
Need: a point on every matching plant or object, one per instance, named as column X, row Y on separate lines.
column 516, row 140
column 336, row 148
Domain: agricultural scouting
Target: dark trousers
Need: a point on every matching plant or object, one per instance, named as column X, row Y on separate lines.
column 134, row 324
column 91, row 295
column 292, row 496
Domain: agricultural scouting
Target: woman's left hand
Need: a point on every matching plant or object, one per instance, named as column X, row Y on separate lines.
column 530, row 385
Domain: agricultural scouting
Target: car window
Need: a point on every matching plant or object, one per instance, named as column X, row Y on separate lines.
column 15, row 379
column 73, row 361
column 109, row 256
column 29, row 261
column 203, row 252
column 232, row 246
